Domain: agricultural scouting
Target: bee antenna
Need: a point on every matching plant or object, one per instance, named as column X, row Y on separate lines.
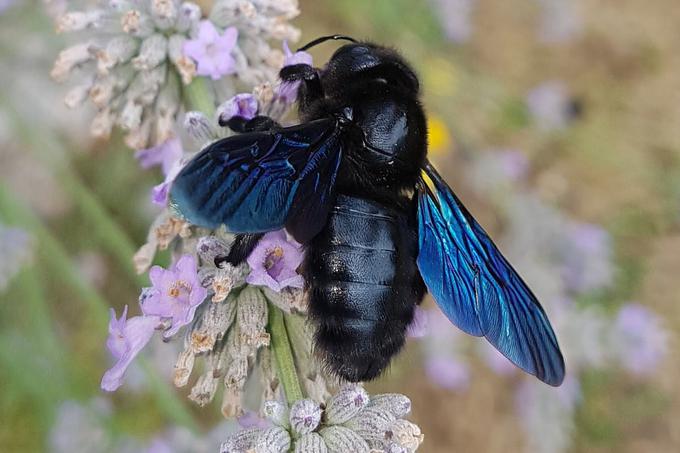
column 324, row 39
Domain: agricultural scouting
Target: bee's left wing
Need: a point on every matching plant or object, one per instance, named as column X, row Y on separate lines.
column 477, row 288
column 263, row 181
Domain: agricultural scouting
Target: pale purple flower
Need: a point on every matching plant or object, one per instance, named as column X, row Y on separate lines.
column 559, row 21
column 587, row 260
column 250, row 419
column 159, row 193
column 159, row 445
column 211, row 51
column 455, row 17
column 643, row 341
column 274, row 262
column 175, row 294
column 166, row 155
column 550, row 105
column 287, row 91
column 447, row 373
column 6, row 4
column 126, row 338
column 514, row 164
column 243, row 105
column 419, row 324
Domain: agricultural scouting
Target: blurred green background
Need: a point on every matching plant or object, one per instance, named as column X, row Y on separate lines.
column 616, row 164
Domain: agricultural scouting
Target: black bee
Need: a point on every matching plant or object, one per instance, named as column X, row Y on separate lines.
column 379, row 225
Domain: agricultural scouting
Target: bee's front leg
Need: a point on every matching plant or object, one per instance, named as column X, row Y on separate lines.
column 309, row 76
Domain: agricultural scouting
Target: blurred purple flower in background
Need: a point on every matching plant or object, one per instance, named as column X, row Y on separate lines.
column 211, row 51
column 6, row 4
column 642, row 340
column 445, row 364
column 550, row 105
column 175, row 294
column 587, row 258
column 126, row 338
column 251, row 419
column 559, row 21
column 456, row 18
column 274, row 262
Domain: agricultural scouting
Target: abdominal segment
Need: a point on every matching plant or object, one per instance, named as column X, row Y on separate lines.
column 364, row 285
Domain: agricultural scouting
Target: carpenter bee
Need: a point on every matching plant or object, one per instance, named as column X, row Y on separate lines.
column 352, row 183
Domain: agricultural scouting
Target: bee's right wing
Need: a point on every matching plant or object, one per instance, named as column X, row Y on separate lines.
column 476, row 287
column 263, row 181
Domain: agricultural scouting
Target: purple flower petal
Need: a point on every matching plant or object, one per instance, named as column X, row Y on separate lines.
column 643, row 341
column 166, row 155
column 175, row 294
column 447, row 373
column 244, row 105
column 274, row 262
column 212, row 51
column 207, row 33
column 126, row 339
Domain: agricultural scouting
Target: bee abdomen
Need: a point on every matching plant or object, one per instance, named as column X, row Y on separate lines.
column 364, row 286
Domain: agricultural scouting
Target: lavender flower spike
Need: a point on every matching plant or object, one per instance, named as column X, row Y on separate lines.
column 211, row 51
column 274, row 262
column 126, row 338
column 175, row 294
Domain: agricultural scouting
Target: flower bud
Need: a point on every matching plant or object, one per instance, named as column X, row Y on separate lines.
column 204, row 391
column 151, row 53
column 273, row 440
column 241, row 442
column 183, row 368
column 163, row 13
column 252, row 317
column 341, row 439
column 69, row 58
column 345, row 404
column 311, row 443
column 398, row 405
column 188, row 17
column 406, row 434
column 305, row 416
column 78, row 20
column 199, row 127
column 277, row 412
column 371, row 423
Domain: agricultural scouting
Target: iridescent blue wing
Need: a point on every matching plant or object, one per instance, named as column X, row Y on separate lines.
column 263, row 181
column 477, row 288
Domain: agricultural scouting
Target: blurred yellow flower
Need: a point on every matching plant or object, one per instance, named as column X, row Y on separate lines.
column 439, row 137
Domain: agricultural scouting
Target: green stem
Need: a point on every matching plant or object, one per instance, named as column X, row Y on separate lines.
column 198, row 97
column 281, row 348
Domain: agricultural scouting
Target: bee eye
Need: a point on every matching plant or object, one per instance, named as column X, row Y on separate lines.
column 381, row 80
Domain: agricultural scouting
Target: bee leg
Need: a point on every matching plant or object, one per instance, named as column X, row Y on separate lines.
column 240, row 250
column 309, row 76
column 242, row 125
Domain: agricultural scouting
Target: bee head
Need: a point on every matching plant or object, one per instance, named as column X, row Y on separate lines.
column 365, row 61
